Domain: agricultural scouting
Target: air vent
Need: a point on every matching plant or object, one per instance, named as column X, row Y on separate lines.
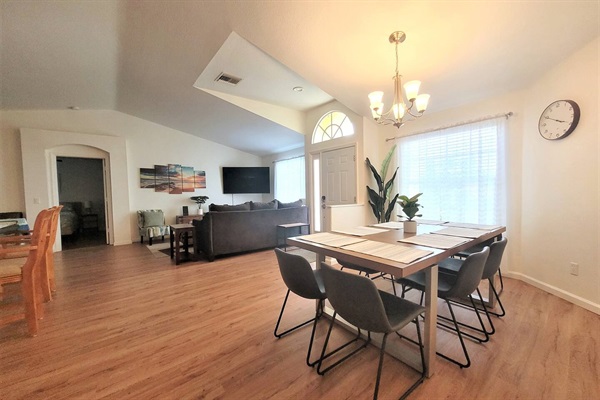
column 232, row 80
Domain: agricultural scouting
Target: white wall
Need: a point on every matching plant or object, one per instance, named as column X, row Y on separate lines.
column 147, row 144
column 553, row 200
column 560, row 207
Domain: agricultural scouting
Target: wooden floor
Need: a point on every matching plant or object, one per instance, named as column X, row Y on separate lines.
column 127, row 324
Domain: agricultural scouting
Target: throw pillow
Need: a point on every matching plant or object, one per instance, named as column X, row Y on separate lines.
column 272, row 205
column 294, row 204
column 153, row 218
column 226, row 207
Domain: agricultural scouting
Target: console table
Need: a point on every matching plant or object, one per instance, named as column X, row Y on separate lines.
column 179, row 240
column 284, row 230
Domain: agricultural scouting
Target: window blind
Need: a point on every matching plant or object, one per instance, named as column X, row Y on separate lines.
column 290, row 183
column 459, row 170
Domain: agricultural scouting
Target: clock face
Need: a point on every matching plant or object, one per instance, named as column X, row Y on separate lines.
column 559, row 119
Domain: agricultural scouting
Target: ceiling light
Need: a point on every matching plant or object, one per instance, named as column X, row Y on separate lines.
column 396, row 113
column 298, row 89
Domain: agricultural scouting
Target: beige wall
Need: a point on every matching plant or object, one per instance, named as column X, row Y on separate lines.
column 553, row 201
column 147, row 144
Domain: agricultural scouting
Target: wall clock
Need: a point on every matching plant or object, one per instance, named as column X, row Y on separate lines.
column 559, row 119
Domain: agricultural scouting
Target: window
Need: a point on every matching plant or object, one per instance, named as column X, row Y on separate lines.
column 290, row 179
column 460, row 170
column 332, row 125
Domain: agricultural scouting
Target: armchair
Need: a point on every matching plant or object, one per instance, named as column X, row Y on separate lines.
column 151, row 223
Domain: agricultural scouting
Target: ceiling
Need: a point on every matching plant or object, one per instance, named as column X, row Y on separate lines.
column 144, row 57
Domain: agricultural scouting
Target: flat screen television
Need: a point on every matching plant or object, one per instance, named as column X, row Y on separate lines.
column 246, row 180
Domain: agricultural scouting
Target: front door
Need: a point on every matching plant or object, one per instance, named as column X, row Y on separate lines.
column 338, row 176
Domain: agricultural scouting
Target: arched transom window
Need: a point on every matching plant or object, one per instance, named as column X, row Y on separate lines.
column 332, row 125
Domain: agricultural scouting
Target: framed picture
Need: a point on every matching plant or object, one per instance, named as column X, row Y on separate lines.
column 175, row 179
column 199, row 180
column 161, row 177
column 147, row 178
column 188, row 178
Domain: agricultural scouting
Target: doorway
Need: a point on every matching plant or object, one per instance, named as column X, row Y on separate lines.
column 81, row 192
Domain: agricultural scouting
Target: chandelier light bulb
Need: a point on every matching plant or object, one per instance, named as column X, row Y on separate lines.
column 421, row 102
column 412, row 89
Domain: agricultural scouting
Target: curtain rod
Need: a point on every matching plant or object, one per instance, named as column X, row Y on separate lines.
column 471, row 121
column 286, row 159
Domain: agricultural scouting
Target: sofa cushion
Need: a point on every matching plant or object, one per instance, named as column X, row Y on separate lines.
column 272, row 205
column 226, row 207
column 294, row 204
column 153, row 218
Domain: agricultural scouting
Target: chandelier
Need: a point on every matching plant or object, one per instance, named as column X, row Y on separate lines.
column 395, row 115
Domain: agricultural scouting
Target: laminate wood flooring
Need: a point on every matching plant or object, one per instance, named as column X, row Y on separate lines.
column 127, row 325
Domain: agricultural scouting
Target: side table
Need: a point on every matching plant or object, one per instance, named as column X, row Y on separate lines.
column 89, row 221
column 187, row 219
column 284, row 230
column 179, row 240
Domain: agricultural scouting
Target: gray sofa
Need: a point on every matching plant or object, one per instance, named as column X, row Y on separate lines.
column 243, row 229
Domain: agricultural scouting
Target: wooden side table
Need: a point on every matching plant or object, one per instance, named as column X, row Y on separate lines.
column 284, row 231
column 187, row 219
column 89, row 222
column 179, row 240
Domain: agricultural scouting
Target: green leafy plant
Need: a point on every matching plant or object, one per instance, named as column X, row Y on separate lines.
column 410, row 207
column 379, row 200
column 199, row 199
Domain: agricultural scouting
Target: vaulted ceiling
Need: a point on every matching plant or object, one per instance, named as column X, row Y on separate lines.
column 143, row 57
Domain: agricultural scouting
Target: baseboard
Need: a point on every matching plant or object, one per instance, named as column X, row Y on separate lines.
column 580, row 301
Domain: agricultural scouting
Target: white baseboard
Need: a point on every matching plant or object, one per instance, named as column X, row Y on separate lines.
column 588, row 305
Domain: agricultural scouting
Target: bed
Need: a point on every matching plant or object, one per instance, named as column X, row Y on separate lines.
column 70, row 216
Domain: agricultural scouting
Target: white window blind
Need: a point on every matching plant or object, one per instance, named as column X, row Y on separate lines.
column 459, row 170
column 290, row 179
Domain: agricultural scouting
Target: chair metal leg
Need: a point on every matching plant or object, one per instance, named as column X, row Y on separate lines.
column 462, row 343
column 314, row 320
column 497, row 298
column 501, row 281
column 318, row 314
column 278, row 335
column 381, row 354
column 325, row 356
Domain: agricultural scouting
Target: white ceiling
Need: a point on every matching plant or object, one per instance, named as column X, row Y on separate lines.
column 143, row 57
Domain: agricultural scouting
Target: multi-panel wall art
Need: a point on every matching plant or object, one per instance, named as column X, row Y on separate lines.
column 172, row 178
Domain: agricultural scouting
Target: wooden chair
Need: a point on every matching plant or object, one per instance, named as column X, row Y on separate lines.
column 47, row 280
column 14, row 270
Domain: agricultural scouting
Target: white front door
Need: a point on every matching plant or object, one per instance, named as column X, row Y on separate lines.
column 338, row 176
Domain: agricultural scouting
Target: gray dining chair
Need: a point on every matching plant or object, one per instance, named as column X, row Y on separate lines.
column 492, row 266
column 305, row 282
column 478, row 248
column 368, row 272
column 358, row 301
column 455, row 287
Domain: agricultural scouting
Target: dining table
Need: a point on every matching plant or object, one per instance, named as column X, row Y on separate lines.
column 387, row 248
column 13, row 226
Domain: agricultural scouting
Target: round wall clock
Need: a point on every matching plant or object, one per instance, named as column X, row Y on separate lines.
column 559, row 119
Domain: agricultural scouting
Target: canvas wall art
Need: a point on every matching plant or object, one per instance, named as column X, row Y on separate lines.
column 172, row 178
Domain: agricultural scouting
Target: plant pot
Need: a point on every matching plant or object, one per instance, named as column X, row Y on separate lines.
column 410, row 226
column 200, row 210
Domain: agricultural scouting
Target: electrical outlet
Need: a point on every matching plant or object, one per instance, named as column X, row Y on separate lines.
column 574, row 269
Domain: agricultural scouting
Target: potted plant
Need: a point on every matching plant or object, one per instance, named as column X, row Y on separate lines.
column 379, row 200
column 199, row 200
column 410, row 208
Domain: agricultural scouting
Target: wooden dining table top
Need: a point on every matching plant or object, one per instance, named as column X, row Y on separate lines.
column 393, row 236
